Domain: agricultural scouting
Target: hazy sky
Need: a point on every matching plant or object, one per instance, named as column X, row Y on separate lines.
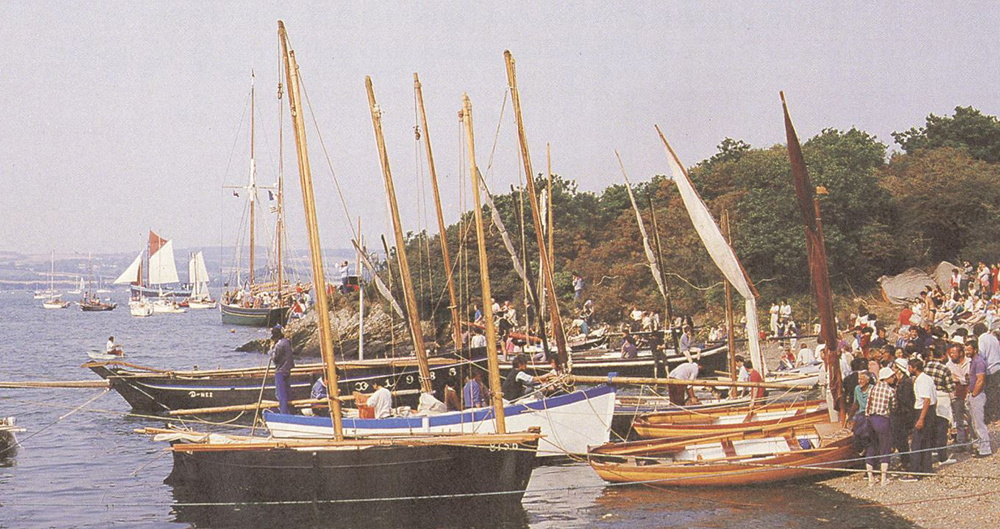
column 123, row 116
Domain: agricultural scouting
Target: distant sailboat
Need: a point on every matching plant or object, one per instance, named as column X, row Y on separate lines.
column 161, row 280
column 138, row 306
column 53, row 302
column 91, row 302
column 200, row 298
column 78, row 289
column 51, row 292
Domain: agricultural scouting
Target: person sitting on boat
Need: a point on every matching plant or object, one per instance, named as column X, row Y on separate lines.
column 805, row 356
column 686, row 343
column 319, row 390
column 474, row 391
column 682, row 394
column 381, row 400
column 629, row 349
column 518, row 381
column 478, row 340
column 112, row 348
column 281, row 353
column 787, row 360
column 754, row 376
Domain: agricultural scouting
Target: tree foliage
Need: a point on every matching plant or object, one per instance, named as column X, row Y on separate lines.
column 968, row 129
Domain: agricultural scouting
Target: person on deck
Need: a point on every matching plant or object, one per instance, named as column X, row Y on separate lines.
column 686, row 343
column 787, row 360
column 381, row 400
column 112, row 348
column 518, row 381
column 629, row 349
column 474, row 391
column 281, row 354
column 319, row 390
column 805, row 356
column 478, row 340
column 683, row 394
column 754, row 376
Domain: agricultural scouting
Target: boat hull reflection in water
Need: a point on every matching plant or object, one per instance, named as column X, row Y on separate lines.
column 434, row 485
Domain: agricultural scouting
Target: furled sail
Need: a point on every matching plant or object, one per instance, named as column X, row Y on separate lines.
column 162, row 268
column 488, row 197
column 131, row 274
column 653, row 267
column 722, row 254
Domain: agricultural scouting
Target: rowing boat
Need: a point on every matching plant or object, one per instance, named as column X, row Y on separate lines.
column 692, row 424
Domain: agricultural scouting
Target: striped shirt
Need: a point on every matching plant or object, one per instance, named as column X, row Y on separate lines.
column 941, row 375
column 881, row 399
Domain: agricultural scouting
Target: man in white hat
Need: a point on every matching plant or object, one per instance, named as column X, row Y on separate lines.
column 901, row 419
column 881, row 401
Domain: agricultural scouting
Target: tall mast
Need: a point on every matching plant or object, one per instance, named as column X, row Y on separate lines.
column 281, row 195
column 409, row 296
column 730, row 337
column 484, row 272
column 548, row 178
column 437, row 205
column 669, row 315
column 253, row 178
column 557, row 328
column 315, row 252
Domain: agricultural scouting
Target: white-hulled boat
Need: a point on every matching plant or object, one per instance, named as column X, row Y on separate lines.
column 55, row 303
column 200, row 298
column 140, row 308
column 569, row 423
column 167, row 306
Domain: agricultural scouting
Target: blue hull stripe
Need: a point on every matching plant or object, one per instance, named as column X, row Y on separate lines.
column 446, row 419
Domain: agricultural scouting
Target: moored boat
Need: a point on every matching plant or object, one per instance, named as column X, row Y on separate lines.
column 692, row 424
column 8, row 437
column 96, row 305
column 55, row 303
column 253, row 316
column 140, row 308
column 749, row 458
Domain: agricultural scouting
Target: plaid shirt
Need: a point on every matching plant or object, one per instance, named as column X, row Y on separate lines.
column 941, row 375
column 881, row 399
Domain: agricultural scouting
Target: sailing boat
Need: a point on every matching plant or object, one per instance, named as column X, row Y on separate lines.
column 250, row 304
column 53, row 302
column 161, row 272
column 78, row 289
column 92, row 302
column 138, row 306
column 200, row 298
column 458, row 472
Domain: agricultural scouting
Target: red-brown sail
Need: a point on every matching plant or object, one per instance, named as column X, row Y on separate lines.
column 816, row 248
column 155, row 242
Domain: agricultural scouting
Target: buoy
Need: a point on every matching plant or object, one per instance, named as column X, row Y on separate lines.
column 232, row 331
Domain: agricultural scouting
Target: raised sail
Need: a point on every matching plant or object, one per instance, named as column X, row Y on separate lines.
column 162, row 269
column 198, row 276
column 131, row 274
column 722, row 254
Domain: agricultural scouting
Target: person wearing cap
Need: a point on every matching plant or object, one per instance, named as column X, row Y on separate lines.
column 881, row 401
column 901, row 418
column 926, row 419
column 977, row 400
column 281, row 353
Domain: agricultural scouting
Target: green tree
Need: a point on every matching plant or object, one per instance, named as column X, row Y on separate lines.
column 969, row 129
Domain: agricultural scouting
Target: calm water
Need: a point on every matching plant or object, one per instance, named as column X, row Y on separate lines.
column 91, row 470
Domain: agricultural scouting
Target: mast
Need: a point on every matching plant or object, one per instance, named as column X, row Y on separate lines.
column 281, row 196
column 557, row 328
column 437, row 206
column 315, row 252
column 484, row 272
column 731, row 339
column 548, row 157
column 409, row 296
column 669, row 315
column 253, row 179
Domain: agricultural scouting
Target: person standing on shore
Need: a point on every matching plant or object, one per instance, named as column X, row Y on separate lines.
column 901, row 418
column 926, row 419
column 989, row 349
column 881, row 401
column 977, row 402
column 958, row 364
column 281, row 352
column 944, row 386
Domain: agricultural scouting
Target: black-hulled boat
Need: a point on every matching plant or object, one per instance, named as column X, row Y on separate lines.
column 96, row 305
column 8, row 437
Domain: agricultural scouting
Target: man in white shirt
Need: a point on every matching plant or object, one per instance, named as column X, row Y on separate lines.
column 381, row 401
column 681, row 394
column 786, row 311
column 805, row 356
column 989, row 349
column 478, row 340
column 925, row 402
column 344, row 273
column 112, row 348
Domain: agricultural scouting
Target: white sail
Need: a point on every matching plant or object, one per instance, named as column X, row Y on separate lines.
column 198, row 276
column 131, row 274
column 162, row 268
column 722, row 254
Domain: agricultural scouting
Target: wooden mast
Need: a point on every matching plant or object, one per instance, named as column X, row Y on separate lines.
column 315, row 252
column 281, row 196
column 440, row 218
column 253, row 181
column 557, row 328
column 409, row 296
column 731, row 339
column 484, row 271
column 669, row 316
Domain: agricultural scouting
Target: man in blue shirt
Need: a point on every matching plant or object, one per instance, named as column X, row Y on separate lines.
column 281, row 353
column 989, row 350
column 472, row 393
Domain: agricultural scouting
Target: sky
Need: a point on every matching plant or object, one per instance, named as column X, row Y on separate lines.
column 119, row 117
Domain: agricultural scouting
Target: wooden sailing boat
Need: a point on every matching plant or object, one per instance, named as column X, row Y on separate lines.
column 53, row 302
column 570, row 423
column 200, row 298
column 252, row 304
column 8, row 437
column 160, row 272
column 429, row 470
column 688, row 424
column 91, row 302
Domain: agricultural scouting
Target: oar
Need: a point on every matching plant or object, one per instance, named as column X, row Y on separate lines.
column 260, row 397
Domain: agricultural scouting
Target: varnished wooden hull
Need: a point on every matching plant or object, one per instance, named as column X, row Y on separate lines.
column 678, row 425
column 650, row 461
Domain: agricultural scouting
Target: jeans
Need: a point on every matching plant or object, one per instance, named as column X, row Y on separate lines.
column 960, row 412
column 976, row 405
column 283, row 391
column 901, row 427
column 880, row 448
column 992, row 391
column 923, row 440
column 940, row 437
